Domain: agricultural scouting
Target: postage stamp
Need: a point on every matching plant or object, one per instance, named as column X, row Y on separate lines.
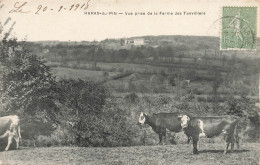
column 238, row 28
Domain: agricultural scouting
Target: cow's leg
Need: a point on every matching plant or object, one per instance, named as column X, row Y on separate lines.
column 228, row 141
column 237, row 141
column 232, row 143
column 236, row 136
column 227, row 145
column 160, row 138
column 164, row 135
column 189, row 138
column 195, row 144
column 17, row 139
column 10, row 138
column 195, row 149
column 144, row 138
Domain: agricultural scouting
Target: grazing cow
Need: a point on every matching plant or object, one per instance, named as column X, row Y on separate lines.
column 209, row 127
column 162, row 121
column 10, row 127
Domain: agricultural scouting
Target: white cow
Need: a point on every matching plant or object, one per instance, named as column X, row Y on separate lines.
column 10, row 127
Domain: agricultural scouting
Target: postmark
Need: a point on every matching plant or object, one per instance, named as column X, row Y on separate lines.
column 238, row 30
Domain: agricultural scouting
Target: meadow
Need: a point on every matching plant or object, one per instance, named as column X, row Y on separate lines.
column 210, row 154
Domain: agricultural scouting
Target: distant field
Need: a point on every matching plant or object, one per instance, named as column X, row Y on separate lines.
column 67, row 73
column 109, row 66
column 143, row 78
column 117, row 66
column 210, row 153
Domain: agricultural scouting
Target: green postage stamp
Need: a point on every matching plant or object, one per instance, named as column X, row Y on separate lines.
column 238, row 28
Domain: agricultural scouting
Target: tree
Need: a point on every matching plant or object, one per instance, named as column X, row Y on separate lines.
column 90, row 117
column 82, row 104
column 27, row 84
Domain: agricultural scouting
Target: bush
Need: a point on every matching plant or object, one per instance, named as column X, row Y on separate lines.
column 171, row 79
column 131, row 98
column 82, row 103
column 117, row 128
column 147, row 99
column 201, row 99
column 110, row 128
column 159, row 89
column 44, row 141
column 105, row 74
column 197, row 91
column 163, row 99
column 89, row 118
column 59, row 137
column 245, row 108
column 132, row 87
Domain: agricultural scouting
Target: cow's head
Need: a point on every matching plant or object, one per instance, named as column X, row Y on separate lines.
column 184, row 120
column 142, row 118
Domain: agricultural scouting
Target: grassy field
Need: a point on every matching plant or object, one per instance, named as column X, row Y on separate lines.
column 67, row 73
column 210, row 153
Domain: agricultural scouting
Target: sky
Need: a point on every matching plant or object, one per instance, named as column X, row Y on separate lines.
column 42, row 19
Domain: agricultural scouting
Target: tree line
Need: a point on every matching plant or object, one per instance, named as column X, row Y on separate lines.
column 30, row 90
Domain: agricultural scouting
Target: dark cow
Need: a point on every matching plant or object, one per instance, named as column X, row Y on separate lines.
column 10, row 127
column 209, row 127
column 162, row 121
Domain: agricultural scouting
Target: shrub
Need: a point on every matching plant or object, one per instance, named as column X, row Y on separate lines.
column 171, row 79
column 131, row 98
column 105, row 74
column 147, row 99
column 245, row 108
column 64, row 64
column 141, row 87
column 201, row 99
column 44, row 141
column 197, row 91
column 160, row 89
column 132, row 87
column 59, row 137
column 89, row 118
column 109, row 129
column 120, row 69
column 118, row 129
column 163, row 99
column 82, row 102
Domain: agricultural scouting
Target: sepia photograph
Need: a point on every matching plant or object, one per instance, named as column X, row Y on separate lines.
column 129, row 82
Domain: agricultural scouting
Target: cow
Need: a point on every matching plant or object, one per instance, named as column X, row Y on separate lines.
column 10, row 127
column 162, row 121
column 209, row 127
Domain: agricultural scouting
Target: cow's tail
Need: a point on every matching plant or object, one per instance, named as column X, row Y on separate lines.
column 236, row 134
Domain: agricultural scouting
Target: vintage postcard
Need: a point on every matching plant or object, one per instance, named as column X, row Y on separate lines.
column 129, row 82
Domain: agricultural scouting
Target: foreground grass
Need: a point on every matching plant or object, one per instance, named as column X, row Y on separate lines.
column 169, row 154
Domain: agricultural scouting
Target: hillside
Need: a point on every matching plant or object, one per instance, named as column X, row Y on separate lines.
column 172, row 59
column 192, row 43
